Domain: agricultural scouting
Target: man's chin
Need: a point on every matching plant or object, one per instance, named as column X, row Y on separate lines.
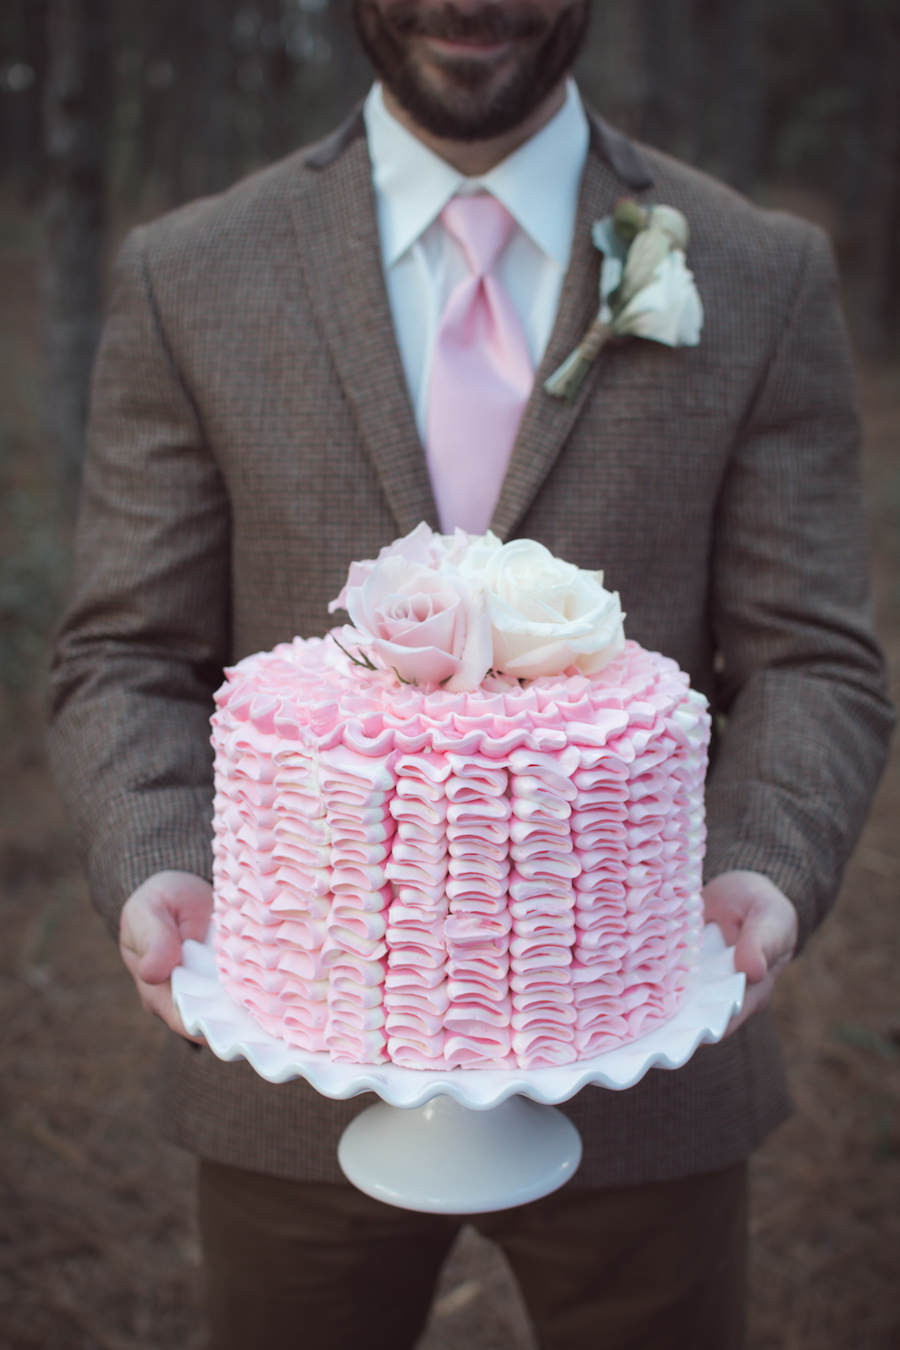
column 462, row 90
column 465, row 99
column 477, row 94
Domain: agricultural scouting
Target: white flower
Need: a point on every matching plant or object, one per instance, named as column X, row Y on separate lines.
column 667, row 309
column 646, row 288
column 546, row 615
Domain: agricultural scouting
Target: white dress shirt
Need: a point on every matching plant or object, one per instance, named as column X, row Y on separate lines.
column 538, row 184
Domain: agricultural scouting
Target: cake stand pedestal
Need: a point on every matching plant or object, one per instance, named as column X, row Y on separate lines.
column 469, row 1140
column 443, row 1158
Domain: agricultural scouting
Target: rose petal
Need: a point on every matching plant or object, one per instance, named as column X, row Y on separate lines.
column 435, row 631
column 478, row 650
column 419, row 665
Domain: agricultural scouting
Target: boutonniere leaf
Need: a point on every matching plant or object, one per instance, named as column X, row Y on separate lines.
column 646, row 288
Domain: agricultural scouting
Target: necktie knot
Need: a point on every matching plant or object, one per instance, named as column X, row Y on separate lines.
column 481, row 226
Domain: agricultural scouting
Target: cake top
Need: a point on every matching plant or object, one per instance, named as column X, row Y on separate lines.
column 449, row 610
column 460, row 640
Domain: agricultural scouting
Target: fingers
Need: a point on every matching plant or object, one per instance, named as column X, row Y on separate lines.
column 150, row 944
column 724, row 902
column 167, row 909
column 760, row 922
column 157, row 999
column 766, row 941
column 768, row 935
column 756, row 996
column 750, row 955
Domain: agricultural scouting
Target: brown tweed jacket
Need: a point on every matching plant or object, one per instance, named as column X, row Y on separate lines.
column 251, row 433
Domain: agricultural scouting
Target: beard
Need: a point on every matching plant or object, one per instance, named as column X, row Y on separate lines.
column 470, row 98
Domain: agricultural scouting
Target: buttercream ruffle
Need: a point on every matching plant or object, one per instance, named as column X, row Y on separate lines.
column 508, row 877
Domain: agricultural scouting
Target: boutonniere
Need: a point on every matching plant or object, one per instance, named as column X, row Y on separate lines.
column 646, row 288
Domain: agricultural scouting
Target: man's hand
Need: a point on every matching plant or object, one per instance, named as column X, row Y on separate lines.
column 156, row 919
column 759, row 921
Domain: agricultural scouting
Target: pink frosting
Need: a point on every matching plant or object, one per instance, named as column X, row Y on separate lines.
column 502, row 878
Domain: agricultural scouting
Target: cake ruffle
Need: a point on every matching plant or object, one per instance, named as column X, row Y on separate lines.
column 502, row 878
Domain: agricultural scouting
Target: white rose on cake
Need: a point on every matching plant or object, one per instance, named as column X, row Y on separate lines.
column 446, row 609
column 546, row 615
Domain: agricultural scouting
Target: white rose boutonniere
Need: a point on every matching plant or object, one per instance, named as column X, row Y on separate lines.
column 646, row 288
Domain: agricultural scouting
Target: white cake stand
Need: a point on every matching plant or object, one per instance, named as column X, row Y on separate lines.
column 466, row 1141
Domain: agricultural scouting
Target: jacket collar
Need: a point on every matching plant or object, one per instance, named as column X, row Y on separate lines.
column 334, row 216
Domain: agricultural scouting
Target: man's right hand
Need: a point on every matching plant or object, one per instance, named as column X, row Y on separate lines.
column 165, row 910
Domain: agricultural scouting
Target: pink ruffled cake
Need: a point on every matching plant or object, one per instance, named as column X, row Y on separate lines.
column 506, row 875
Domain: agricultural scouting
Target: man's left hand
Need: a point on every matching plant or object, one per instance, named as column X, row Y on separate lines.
column 759, row 921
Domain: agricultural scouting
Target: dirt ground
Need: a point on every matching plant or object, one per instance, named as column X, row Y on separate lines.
column 97, row 1244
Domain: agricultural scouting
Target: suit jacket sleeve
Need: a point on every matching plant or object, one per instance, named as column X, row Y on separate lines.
column 142, row 646
column 806, row 718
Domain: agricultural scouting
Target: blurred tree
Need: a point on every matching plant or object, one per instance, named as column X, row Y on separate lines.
column 77, row 116
column 609, row 71
column 884, row 199
column 22, row 78
column 867, row 182
column 670, row 106
column 182, row 77
column 745, row 93
column 205, row 118
column 278, row 55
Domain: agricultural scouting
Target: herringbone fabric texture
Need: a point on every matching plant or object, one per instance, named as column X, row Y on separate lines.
column 251, row 434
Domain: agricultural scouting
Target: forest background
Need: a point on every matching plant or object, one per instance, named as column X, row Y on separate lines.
column 109, row 114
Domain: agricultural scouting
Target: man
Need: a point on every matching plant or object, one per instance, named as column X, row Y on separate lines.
column 262, row 415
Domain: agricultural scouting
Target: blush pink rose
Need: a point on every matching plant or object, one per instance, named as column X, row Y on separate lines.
column 421, row 547
column 428, row 626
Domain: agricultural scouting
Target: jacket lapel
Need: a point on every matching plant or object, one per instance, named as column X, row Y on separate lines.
column 335, row 221
column 613, row 169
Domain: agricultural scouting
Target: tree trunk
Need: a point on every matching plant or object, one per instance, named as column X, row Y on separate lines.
column 76, row 114
column 669, row 117
column 610, row 69
column 745, row 93
column 886, row 207
column 22, row 59
column 210, row 77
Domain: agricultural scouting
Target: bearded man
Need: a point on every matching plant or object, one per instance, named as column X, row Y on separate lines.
column 266, row 408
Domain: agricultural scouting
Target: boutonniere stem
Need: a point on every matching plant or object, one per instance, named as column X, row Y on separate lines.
column 567, row 379
column 646, row 289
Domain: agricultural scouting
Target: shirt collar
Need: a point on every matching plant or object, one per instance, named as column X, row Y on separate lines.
column 538, row 183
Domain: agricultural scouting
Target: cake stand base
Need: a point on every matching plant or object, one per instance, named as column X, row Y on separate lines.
column 460, row 1141
column 442, row 1158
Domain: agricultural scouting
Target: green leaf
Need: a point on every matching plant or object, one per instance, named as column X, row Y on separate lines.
column 361, row 660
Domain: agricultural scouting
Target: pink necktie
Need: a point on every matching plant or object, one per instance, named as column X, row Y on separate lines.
column 481, row 374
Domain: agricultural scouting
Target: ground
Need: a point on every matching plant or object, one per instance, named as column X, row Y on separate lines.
column 98, row 1248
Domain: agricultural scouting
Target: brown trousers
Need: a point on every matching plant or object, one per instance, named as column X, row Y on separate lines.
column 306, row 1266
